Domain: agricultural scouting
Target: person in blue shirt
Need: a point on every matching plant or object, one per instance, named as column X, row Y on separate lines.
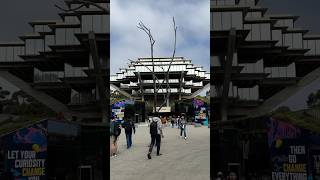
column 128, row 126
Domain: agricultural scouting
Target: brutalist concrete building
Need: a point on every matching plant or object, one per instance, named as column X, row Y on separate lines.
column 184, row 82
column 64, row 63
column 258, row 61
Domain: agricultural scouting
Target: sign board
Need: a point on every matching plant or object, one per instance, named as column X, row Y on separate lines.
column 26, row 152
column 164, row 109
column 294, row 152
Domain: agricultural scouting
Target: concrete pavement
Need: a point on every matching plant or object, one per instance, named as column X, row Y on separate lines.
column 181, row 159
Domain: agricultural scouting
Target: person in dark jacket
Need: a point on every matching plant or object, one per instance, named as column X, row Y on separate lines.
column 128, row 126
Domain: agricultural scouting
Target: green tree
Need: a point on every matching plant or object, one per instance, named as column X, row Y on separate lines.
column 313, row 99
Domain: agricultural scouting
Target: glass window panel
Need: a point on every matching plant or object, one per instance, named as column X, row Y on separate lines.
column 105, row 23
column 265, row 31
column 220, row 2
column 237, row 20
column 231, row 2
column 23, row 50
column 216, row 23
column 9, row 53
column 60, row 36
column 291, row 70
column 297, row 40
column 311, row 46
column 276, row 35
column 97, row 23
column 38, row 28
column 288, row 40
column 16, row 53
column 69, row 36
column 317, row 47
column 38, row 46
column 86, row 23
column 282, row 72
column 256, row 14
column 249, row 27
column 49, row 40
column 305, row 44
column 255, row 32
column 2, row 53
column 226, row 19
column 29, row 46
column 75, row 40
column 274, row 72
column 288, row 23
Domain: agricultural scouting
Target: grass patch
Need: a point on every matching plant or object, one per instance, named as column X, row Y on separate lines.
column 11, row 125
column 300, row 119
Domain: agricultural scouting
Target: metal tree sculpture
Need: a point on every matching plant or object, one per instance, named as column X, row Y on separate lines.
column 166, row 73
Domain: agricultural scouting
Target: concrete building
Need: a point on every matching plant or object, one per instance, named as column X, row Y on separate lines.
column 257, row 60
column 185, row 80
column 64, row 63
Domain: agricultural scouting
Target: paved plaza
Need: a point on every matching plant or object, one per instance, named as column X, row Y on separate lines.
column 181, row 159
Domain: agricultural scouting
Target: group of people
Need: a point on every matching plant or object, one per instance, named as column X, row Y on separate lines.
column 156, row 125
column 115, row 131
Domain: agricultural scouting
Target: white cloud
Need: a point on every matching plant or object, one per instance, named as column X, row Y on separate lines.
column 128, row 42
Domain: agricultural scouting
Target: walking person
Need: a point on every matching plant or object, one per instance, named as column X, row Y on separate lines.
column 156, row 134
column 178, row 122
column 128, row 126
column 115, row 131
column 172, row 121
column 183, row 127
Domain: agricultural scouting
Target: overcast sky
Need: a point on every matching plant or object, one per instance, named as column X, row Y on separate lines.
column 129, row 42
column 192, row 18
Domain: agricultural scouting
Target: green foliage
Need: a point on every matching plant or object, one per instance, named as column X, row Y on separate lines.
column 24, row 105
column 10, row 125
column 314, row 99
column 3, row 93
column 300, row 119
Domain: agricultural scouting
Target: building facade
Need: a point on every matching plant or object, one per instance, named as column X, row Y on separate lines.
column 55, row 63
column 257, row 67
column 258, row 61
column 184, row 79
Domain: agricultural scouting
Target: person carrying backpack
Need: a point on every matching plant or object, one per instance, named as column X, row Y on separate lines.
column 156, row 133
column 128, row 125
column 115, row 131
column 183, row 126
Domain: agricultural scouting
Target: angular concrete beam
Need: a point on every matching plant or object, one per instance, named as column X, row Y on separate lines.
column 197, row 92
column 42, row 97
column 121, row 91
column 273, row 102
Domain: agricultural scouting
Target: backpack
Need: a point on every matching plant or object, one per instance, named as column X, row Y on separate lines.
column 154, row 128
column 117, row 129
column 112, row 128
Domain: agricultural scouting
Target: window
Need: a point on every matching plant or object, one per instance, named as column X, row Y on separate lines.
column 60, row 36
column 49, row 40
column 288, row 40
column 277, row 35
column 226, row 20
column 317, row 47
column 265, row 32
column 297, row 40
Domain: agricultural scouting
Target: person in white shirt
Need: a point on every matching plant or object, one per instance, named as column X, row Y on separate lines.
column 156, row 134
